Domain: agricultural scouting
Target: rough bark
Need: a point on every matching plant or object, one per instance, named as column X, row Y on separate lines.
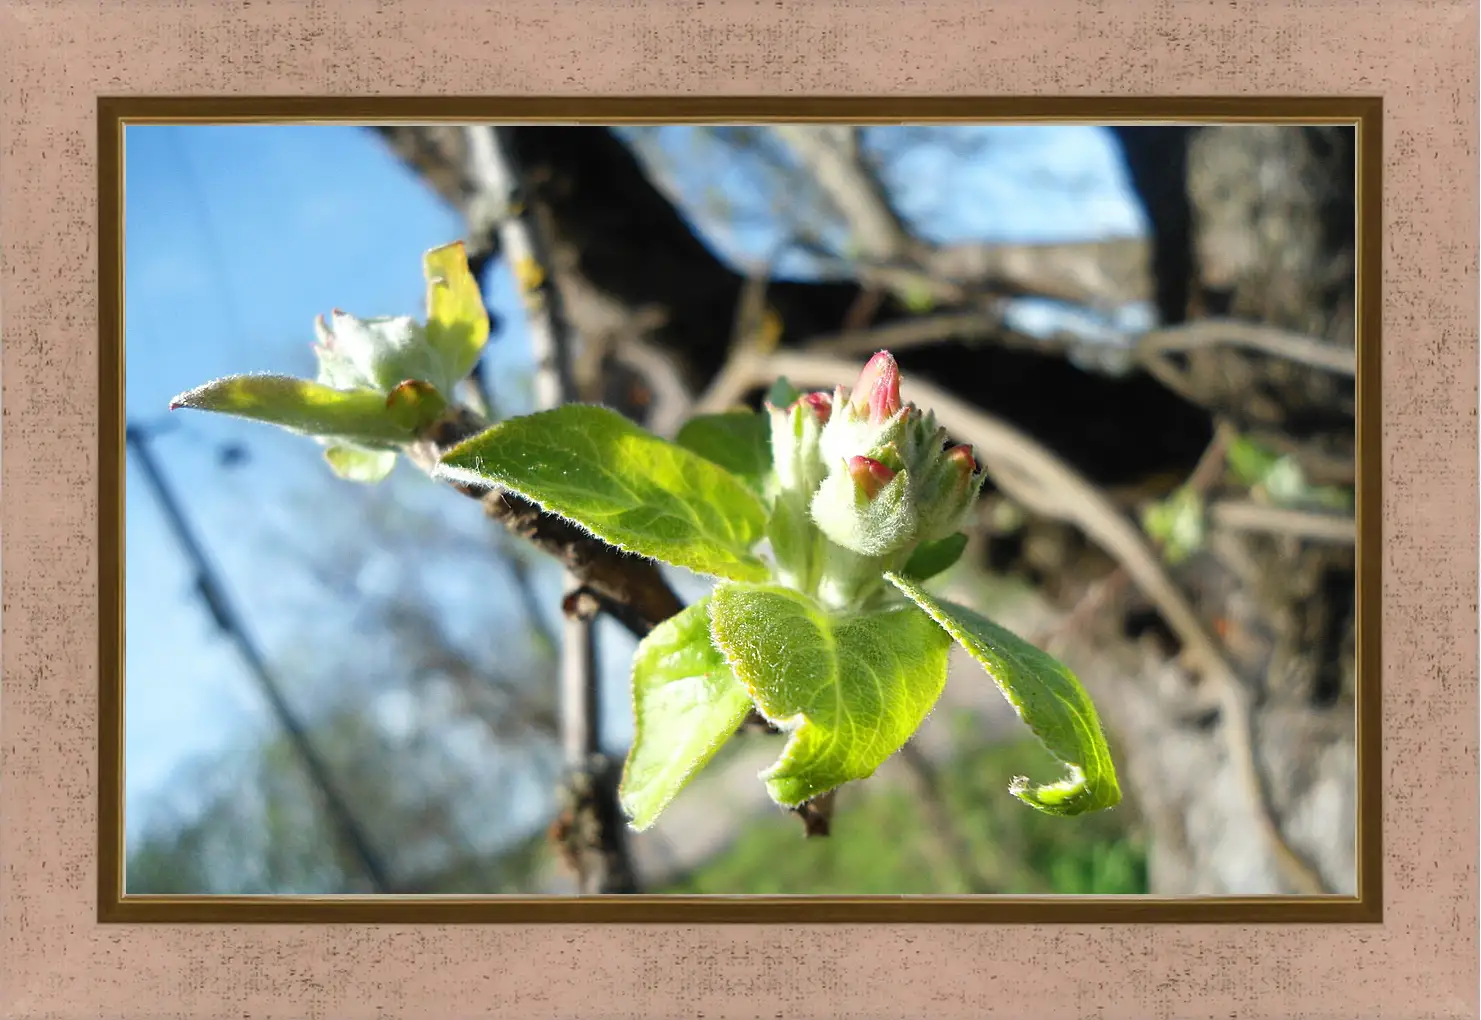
column 1265, row 221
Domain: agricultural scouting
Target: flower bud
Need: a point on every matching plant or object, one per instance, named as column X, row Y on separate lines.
column 877, row 393
column 821, row 405
column 796, row 431
column 865, row 506
column 378, row 353
column 948, row 492
column 962, row 457
column 892, row 483
column 869, row 475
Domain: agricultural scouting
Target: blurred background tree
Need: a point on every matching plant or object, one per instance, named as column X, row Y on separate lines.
column 1192, row 371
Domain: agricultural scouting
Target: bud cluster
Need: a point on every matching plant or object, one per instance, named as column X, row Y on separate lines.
column 861, row 479
column 378, row 353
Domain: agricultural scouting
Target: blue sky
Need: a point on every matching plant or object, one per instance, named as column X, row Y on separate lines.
column 237, row 236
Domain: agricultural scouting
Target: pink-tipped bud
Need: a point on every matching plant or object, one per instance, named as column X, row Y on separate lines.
column 869, row 475
column 821, row 405
column 877, row 392
column 962, row 456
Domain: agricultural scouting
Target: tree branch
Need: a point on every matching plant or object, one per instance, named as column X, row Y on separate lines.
column 598, row 847
column 831, row 153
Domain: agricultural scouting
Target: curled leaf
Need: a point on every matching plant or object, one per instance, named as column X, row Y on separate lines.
column 1046, row 696
column 457, row 322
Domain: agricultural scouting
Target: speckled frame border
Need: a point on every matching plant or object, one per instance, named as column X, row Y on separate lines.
column 59, row 961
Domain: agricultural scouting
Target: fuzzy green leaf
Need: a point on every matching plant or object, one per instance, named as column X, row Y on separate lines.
column 931, row 558
column 355, row 464
column 298, row 405
column 849, row 690
column 627, row 486
column 686, row 704
column 1046, row 696
column 457, row 322
column 739, row 441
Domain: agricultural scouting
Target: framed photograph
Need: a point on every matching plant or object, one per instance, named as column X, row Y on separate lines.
column 902, row 536
column 927, row 515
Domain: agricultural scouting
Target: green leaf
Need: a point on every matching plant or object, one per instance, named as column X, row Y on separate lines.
column 1046, row 696
column 300, row 406
column 457, row 322
column 850, row 690
column 1250, row 461
column 918, row 297
column 626, row 486
column 931, row 558
column 739, row 441
column 782, row 393
column 686, row 704
column 1177, row 523
column 355, row 464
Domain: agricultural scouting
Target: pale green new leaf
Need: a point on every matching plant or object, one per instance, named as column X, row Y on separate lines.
column 356, row 464
column 299, row 405
column 1047, row 697
column 686, row 704
column 457, row 322
column 739, row 441
column 849, row 691
column 625, row 485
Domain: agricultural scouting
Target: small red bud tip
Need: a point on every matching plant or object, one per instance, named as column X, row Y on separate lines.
column 878, row 390
column 962, row 455
column 175, row 405
column 821, row 404
column 869, row 475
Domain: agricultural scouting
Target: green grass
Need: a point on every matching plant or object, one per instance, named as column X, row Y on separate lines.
column 882, row 842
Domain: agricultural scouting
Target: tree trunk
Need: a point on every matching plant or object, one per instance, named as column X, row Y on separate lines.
column 1260, row 229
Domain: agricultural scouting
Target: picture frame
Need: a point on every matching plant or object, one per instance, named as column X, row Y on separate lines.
column 70, row 949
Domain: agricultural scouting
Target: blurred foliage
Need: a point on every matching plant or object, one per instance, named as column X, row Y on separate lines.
column 257, row 826
column 882, row 842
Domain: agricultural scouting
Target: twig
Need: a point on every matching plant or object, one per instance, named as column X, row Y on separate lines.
column 1242, row 515
column 1040, row 481
column 1281, row 343
column 831, row 153
column 753, row 337
column 1204, row 476
column 915, row 332
column 600, row 851
column 817, row 815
